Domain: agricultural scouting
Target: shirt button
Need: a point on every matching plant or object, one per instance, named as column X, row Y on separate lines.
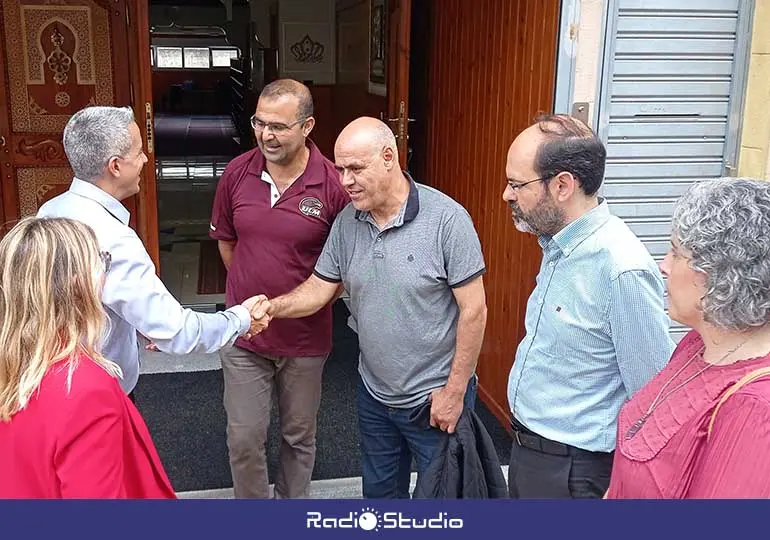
column 275, row 196
column 379, row 239
column 551, row 263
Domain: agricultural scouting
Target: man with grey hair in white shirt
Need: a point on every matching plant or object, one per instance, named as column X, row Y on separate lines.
column 104, row 148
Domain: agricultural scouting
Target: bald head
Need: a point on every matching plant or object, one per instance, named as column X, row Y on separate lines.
column 367, row 132
column 367, row 158
column 291, row 88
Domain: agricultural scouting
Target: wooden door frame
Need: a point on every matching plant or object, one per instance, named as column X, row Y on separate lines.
column 7, row 184
column 399, row 39
column 141, row 101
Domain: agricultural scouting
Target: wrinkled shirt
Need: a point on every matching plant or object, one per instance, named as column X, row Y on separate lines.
column 134, row 297
column 596, row 332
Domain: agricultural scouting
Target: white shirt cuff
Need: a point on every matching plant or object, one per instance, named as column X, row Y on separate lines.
column 244, row 317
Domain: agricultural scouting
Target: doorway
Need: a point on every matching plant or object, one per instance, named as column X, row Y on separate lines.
column 331, row 55
column 192, row 51
column 459, row 81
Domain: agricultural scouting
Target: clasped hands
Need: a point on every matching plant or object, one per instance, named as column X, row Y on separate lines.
column 260, row 309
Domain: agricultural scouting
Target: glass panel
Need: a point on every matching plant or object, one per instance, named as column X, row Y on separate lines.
column 196, row 57
column 221, row 57
column 169, row 57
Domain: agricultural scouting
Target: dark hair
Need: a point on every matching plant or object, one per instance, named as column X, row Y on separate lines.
column 570, row 146
column 290, row 87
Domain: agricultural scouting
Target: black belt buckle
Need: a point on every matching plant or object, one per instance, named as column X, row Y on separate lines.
column 539, row 443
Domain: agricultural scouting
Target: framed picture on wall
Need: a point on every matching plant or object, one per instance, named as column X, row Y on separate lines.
column 378, row 45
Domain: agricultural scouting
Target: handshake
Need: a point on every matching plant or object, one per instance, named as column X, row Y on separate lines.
column 261, row 313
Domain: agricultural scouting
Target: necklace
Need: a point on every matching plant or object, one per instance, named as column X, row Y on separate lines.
column 660, row 398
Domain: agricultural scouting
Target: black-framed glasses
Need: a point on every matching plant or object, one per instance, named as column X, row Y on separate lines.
column 275, row 127
column 514, row 185
column 106, row 258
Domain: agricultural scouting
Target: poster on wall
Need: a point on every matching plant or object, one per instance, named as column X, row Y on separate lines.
column 378, row 46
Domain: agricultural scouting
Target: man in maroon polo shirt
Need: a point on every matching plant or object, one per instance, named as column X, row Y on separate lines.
column 273, row 209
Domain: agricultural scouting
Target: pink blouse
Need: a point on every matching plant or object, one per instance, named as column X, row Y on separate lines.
column 670, row 456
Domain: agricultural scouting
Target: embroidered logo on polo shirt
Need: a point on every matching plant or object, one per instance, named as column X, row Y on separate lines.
column 310, row 206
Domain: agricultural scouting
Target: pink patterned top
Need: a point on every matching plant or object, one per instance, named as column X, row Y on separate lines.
column 670, row 456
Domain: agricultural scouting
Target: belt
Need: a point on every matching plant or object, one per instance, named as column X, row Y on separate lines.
column 529, row 439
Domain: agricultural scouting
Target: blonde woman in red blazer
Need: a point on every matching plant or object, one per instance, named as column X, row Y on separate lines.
column 67, row 430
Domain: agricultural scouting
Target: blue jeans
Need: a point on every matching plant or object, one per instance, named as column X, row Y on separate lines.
column 388, row 440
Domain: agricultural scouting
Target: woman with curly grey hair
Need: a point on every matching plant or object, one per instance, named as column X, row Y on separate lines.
column 701, row 427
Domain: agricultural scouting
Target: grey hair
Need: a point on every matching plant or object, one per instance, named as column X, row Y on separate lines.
column 94, row 135
column 725, row 224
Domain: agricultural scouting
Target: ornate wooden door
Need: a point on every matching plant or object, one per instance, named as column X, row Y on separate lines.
column 58, row 56
column 399, row 27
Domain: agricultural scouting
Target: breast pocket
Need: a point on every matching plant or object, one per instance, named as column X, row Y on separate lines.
column 577, row 317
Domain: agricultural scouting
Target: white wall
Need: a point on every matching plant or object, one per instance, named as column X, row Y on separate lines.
column 584, row 25
column 589, row 53
column 352, row 41
column 314, row 21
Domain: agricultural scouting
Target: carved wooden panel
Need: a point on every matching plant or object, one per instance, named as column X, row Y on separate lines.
column 38, row 185
column 64, row 61
column 30, row 149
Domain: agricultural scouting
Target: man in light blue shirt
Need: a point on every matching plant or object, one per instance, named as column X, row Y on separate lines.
column 104, row 148
column 596, row 329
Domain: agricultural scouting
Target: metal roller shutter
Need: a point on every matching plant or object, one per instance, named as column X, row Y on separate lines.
column 671, row 85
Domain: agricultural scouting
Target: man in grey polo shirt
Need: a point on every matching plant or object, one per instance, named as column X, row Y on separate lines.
column 411, row 261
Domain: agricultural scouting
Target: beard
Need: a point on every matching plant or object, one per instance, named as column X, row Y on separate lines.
column 545, row 219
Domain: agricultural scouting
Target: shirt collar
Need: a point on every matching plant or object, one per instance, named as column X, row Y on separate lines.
column 571, row 236
column 314, row 173
column 409, row 209
column 98, row 195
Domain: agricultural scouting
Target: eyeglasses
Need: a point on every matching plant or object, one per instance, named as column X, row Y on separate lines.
column 276, row 128
column 514, row 185
column 106, row 258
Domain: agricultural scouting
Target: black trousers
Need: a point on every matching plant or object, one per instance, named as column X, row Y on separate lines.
column 132, row 397
column 545, row 469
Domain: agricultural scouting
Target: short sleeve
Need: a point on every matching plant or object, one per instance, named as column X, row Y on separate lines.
column 221, row 227
column 463, row 258
column 734, row 460
column 328, row 266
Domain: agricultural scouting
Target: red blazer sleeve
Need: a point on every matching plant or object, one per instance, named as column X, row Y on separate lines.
column 734, row 461
column 89, row 454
